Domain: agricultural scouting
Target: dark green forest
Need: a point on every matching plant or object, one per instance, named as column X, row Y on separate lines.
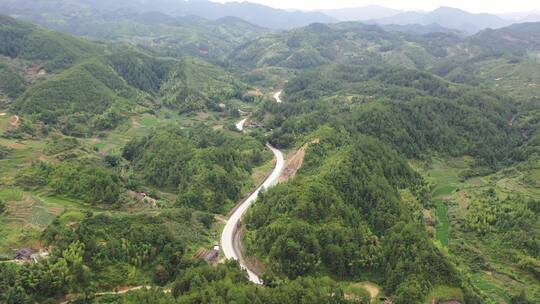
column 209, row 170
column 414, row 112
column 344, row 215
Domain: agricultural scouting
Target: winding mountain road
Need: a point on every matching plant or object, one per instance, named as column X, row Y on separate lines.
column 230, row 237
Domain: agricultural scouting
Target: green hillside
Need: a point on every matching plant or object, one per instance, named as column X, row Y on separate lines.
column 157, row 32
column 314, row 45
column 344, row 216
column 411, row 158
column 88, row 96
column 194, row 85
column 516, row 39
column 55, row 50
column 411, row 110
column 82, row 87
column 209, row 170
column 503, row 58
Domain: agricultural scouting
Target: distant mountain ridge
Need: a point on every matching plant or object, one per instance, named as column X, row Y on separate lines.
column 361, row 13
column 448, row 17
column 257, row 14
column 421, row 29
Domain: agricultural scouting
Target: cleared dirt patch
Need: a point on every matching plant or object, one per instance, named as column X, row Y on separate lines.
column 202, row 115
column 256, row 93
column 372, row 289
column 294, row 163
column 35, row 70
column 15, row 121
column 354, row 290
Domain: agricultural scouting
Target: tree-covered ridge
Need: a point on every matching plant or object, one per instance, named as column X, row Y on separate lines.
column 56, row 51
column 315, row 45
column 87, row 180
column 99, row 251
column 86, row 97
column 141, row 71
column 507, row 57
column 516, row 39
column 82, row 87
column 194, row 85
column 155, row 31
column 208, row 169
column 413, row 111
column 344, row 215
column 165, row 35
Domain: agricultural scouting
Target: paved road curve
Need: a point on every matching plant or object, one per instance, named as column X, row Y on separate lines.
column 240, row 124
column 277, row 97
column 229, row 237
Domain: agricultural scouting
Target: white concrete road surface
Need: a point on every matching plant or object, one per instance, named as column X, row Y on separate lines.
column 229, row 239
column 240, row 124
column 277, row 97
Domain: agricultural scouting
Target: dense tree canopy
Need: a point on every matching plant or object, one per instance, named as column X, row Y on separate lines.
column 413, row 111
column 344, row 215
column 88, row 181
column 208, row 169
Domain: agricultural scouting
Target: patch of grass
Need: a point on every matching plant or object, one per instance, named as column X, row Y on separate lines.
column 444, row 293
column 489, row 289
column 148, row 121
column 443, row 190
column 443, row 224
column 13, row 235
column 71, row 216
column 4, row 121
column 29, row 214
column 59, row 202
column 362, row 291
column 11, row 194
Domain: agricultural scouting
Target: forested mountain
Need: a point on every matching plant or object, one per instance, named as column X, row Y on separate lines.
column 209, row 170
column 516, row 39
column 88, row 95
column 413, row 111
column 43, row 11
column 163, row 34
column 82, row 87
column 314, row 45
column 506, row 58
column 364, row 13
column 417, row 29
column 25, row 41
column 411, row 170
column 344, row 215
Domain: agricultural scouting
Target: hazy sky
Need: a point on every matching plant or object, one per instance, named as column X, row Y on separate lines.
column 476, row 6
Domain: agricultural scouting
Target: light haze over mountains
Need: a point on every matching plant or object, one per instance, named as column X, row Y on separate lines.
column 266, row 16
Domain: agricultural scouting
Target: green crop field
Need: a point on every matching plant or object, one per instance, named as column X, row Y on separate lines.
column 443, row 225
